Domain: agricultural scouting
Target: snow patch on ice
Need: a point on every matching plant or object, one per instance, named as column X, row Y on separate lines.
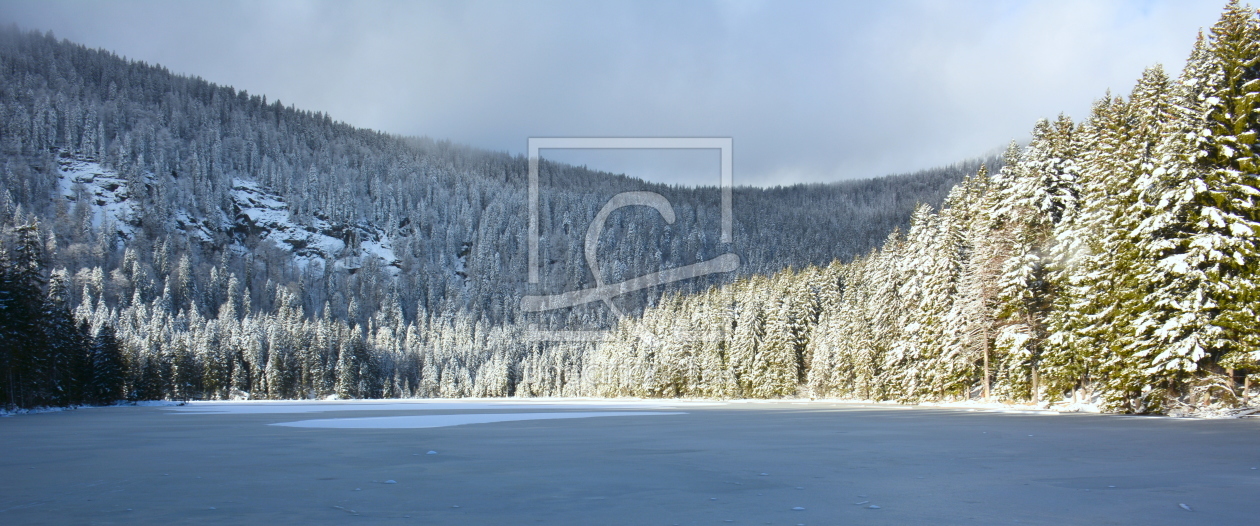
column 427, row 421
column 303, row 406
column 995, row 407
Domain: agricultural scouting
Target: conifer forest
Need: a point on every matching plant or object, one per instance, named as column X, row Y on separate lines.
column 166, row 238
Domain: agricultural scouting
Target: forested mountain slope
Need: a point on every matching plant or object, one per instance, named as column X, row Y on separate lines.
column 1116, row 261
column 215, row 242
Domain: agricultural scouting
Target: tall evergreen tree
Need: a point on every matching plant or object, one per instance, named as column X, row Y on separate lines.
column 108, row 374
column 1200, row 310
column 66, row 348
column 28, row 359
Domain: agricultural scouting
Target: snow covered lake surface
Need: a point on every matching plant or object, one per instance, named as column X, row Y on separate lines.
column 423, row 421
column 434, row 420
column 309, row 406
column 639, row 462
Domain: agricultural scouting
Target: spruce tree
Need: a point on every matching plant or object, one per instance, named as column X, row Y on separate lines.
column 66, row 348
column 107, row 367
column 8, row 338
column 29, row 357
column 1200, row 311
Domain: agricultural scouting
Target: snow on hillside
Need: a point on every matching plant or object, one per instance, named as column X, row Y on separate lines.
column 104, row 189
column 268, row 215
column 255, row 210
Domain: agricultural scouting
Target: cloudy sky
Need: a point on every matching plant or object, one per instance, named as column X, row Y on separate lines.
column 809, row 91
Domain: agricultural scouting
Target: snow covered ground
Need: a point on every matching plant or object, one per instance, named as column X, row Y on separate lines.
column 445, row 404
column 39, row 410
column 105, row 190
column 276, row 407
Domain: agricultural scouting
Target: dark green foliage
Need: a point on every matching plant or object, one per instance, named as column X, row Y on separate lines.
column 44, row 352
column 107, row 368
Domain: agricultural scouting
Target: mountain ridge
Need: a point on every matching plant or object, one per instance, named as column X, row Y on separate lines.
column 233, row 199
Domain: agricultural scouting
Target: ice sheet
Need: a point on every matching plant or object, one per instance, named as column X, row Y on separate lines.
column 425, row 421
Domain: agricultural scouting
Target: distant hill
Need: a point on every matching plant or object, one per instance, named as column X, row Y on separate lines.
column 238, row 245
column 281, row 196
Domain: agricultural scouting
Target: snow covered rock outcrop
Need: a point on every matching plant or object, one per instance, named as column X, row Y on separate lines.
column 104, row 190
column 255, row 212
column 267, row 215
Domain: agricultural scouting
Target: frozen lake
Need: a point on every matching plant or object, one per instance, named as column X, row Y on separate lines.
column 632, row 462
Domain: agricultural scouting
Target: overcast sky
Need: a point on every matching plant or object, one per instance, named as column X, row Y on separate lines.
column 809, row 91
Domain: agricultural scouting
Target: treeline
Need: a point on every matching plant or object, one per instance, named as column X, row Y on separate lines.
column 53, row 355
column 47, row 356
column 1116, row 260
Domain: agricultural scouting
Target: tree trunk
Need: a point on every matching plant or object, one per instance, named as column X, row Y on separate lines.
column 986, row 366
column 1036, row 389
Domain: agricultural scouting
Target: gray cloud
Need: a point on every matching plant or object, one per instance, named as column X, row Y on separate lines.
column 809, row 91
